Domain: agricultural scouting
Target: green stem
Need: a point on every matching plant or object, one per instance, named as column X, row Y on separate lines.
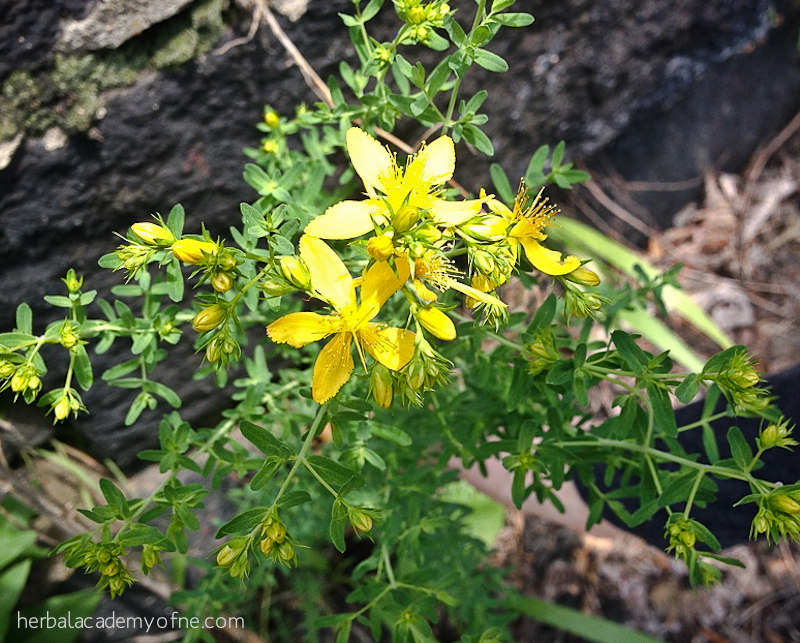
column 299, row 459
column 692, row 493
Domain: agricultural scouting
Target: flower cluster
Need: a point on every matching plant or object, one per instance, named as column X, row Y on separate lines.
column 414, row 231
column 421, row 18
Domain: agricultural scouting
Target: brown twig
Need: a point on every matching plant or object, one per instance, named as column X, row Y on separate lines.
column 763, row 155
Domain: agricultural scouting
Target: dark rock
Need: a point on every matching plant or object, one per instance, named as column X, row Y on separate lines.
column 589, row 72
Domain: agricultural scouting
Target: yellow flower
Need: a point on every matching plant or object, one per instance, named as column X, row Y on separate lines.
column 416, row 189
column 349, row 322
column 435, row 270
column 193, row 251
column 525, row 226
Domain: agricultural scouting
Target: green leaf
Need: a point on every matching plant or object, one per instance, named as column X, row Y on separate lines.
column 391, row 433
column 558, row 155
column 688, row 388
column 58, row 300
column 501, row 184
column 476, row 137
column 634, row 357
column 165, row 392
column 24, row 319
column 114, row 497
column 270, row 467
column 12, row 582
column 349, row 21
column 514, row 19
column 490, row 61
column 175, row 220
column 332, row 472
column 292, row 498
column 499, row 5
column 140, row 534
column 338, row 524
column 518, row 488
column 245, row 521
column 740, row 449
column 263, row 440
column 663, row 413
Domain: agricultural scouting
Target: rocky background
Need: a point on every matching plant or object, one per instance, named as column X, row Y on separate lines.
column 111, row 111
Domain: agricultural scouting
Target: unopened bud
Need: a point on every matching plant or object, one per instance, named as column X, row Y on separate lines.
column 381, row 385
column 62, row 408
column 437, row 323
column 271, row 118
column 786, row 504
column 361, row 521
column 208, row 318
column 222, row 282
column 380, row 247
column 153, row 234
column 582, row 275
column 405, row 217
column 296, row 272
column 193, row 251
column 277, row 532
column 286, row 552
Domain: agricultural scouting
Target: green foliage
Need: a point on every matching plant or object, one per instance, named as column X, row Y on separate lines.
column 333, row 470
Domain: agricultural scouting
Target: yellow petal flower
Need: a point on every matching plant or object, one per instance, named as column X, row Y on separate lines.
column 380, row 282
column 453, row 213
column 299, row 329
column 332, row 369
column 346, row 220
column 392, row 347
column 371, row 160
column 548, row 261
column 434, row 164
column 330, row 278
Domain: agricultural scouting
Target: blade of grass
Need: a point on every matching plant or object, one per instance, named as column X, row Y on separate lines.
column 575, row 234
column 591, row 628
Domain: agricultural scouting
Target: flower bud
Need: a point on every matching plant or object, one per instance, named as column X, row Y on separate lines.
column 786, row 504
column 437, row 323
column 150, row 558
column 381, row 385
column 193, row 251
column 7, row 369
column 62, row 408
column 745, row 378
column 229, row 553
column 416, row 15
column 296, row 272
column 405, row 217
column 73, row 282
column 274, row 287
column 361, row 521
column 483, row 262
column 222, row 282
column 286, row 552
column 265, row 544
column 153, row 234
column 269, row 146
column 584, row 276
column 380, row 247
column 208, row 318
column 277, row 532
column 271, row 118
column 111, row 568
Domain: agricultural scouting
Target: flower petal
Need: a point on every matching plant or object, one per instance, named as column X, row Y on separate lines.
column 345, row 220
column 392, row 347
column 373, row 162
column 332, row 369
column 379, row 283
column 479, row 295
column 330, row 278
column 550, row 262
column 453, row 213
column 299, row 329
column 434, row 164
